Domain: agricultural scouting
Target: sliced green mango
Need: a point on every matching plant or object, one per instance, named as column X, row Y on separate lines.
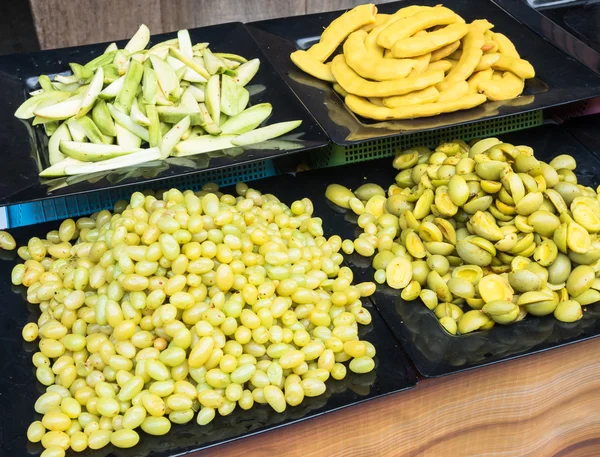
column 173, row 137
column 133, row 77
column 234, row 98
column 213, row 98
column 91, row 95
column 27, row 108
column 265, row 133
column 90, row 152
column 134, row 158
column 248, row 119
column 246, row 71
column 103, row 119
column 139, row 40
column 60, row 134
column 203, row 144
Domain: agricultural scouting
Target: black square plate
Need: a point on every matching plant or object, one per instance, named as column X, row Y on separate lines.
column 24, row 148
column 19, row 389
column 560, row 79
column 434, row 351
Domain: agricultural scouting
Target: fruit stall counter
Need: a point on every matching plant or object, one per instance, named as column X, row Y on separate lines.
column 202, row 316
column 543, row 405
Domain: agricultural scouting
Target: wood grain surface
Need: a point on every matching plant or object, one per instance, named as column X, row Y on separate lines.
column 61, row 23
column 546, row 405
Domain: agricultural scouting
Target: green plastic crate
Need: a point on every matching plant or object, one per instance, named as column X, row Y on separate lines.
column 335, row 155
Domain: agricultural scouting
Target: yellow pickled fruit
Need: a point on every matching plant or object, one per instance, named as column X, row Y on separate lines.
column 473, row 320
column 471, row 273
column 568, row 311
column 493, row 287
column 398, row 273
column 485, row 226
column 339, row 195
column 578, row 239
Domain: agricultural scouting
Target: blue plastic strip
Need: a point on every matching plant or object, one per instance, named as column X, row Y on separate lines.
column 83, row 205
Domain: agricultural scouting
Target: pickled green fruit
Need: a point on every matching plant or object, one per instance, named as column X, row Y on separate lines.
column 580, row 280
column 449, row 325
column 472, row 321
column 568, row 311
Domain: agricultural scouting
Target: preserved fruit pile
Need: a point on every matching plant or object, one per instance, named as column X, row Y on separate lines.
column 483, row 234
column 418, row 62
column 183, row 308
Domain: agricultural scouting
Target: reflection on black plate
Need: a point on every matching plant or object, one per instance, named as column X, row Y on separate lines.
column 24, row 147
column 434, row 351
column 555, row 84
column 19, row 389
column 570, row 25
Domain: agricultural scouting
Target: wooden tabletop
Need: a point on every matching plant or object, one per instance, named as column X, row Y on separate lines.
column 545, row 405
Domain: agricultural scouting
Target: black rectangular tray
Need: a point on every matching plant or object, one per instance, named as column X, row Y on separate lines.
column 572, row 27
column 434, row 351
column 24, row 148
column 19, row 388
column 559, row 78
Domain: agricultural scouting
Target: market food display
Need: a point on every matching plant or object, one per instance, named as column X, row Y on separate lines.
column 482, row 233
column 420, row 61
column 134, row 105
column 183, row 307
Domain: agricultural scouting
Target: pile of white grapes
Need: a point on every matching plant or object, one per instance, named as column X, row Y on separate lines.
column 185, row 306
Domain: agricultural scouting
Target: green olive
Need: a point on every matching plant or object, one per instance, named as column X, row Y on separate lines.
column 440, row 248
column 491, row 187
column 481, row 146
column 578, row 238
column 588, row 297
column 526, row 164
column 414, row 245
column 539, row 270
column 423, row 205
column 420, row 271
column 502, row 312
column 568, row 311
column 429, row 298
column 438, row 263
column 412, row 291
column 524, row 281
column 484, row 225
column 568, row 191
column 529, row 203
column 588, row 258
column 560, row 269
column 560, row 238
column 478, row 204
column 382, row 258
column 471, row 273
column 473, row 320
column 449, row 325
column 473, row 254
column 563, row 161
column 339, row 195
column 439, row 286
column 545, row 253
column 458, row 190
column 580, row 280
column 396, row 204
column 550, row 175
column 406, row 159
column 566, row 176
column 465, row 166
column 461, row 288
column 475, row 303
column 556, row 200
column 543, row 222
column 366, row 191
